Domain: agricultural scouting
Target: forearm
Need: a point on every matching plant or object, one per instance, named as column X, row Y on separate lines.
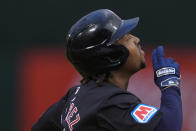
column 171, row 106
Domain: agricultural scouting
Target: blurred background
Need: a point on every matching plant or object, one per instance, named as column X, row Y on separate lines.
column 35, row 72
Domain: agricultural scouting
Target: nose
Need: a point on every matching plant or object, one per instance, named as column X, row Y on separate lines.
column 136, row 40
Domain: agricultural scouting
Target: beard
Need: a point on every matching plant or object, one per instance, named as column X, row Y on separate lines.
column 143, row 60
column 143, row 64
column 140, row 67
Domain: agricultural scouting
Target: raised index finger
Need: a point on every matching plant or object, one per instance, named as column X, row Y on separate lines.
column 160, row 55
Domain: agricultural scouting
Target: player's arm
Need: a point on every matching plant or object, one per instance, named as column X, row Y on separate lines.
column 167, row 78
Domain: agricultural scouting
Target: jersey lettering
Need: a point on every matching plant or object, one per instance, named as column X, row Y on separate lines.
column 72, row 110
column 143, row 113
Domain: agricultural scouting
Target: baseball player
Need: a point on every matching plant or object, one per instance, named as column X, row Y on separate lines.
column 102, row 49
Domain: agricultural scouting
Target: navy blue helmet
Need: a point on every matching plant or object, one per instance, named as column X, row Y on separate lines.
column 91, row 42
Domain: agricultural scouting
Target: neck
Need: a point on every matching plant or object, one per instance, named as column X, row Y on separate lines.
column 120, row 79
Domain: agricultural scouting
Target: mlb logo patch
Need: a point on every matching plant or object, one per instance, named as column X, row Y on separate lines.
column 143, row 113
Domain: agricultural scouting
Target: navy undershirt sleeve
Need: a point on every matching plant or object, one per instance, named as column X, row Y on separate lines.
column 171, row 106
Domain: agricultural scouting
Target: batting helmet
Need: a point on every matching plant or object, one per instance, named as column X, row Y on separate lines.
column 90, row 42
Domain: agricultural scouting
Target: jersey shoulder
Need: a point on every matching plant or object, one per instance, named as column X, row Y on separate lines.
column 50, row 120
column 116, row 95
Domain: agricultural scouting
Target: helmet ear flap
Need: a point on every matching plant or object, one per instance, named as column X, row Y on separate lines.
column 118, row 54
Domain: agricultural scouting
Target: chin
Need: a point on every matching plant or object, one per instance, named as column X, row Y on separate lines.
column 143, row 65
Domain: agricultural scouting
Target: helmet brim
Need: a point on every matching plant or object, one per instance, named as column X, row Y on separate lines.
column 125, row 27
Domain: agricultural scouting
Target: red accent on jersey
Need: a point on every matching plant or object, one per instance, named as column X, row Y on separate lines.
column 68, row 116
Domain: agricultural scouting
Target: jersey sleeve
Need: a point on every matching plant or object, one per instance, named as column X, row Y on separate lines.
column 48, row 121
column 124, row 112
column 51, row 118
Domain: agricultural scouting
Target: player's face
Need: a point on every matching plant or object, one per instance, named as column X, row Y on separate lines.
column 136, row 59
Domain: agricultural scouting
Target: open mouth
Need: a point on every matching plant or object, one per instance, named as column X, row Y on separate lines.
column 140, row 48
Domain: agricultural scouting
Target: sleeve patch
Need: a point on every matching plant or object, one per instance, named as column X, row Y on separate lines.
column 143, row 113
